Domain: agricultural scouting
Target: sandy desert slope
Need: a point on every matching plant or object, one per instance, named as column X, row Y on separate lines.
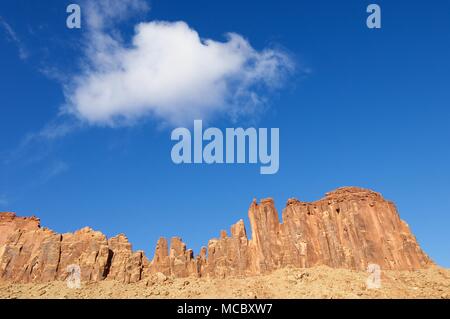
column 318, row 282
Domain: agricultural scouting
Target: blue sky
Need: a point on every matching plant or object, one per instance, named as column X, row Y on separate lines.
column 363, row 107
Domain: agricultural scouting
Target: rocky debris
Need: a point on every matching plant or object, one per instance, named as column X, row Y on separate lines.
column 350, row 228
column 160, row 277
column 315, row 282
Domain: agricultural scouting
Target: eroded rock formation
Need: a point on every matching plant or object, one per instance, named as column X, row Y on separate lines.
column 349, row 228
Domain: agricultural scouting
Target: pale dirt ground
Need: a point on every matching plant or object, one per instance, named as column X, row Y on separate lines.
column 319, row 282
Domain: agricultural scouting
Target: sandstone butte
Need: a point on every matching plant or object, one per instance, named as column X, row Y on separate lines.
column 349, row 228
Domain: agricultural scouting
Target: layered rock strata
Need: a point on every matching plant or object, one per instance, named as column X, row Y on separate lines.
column 349, row 228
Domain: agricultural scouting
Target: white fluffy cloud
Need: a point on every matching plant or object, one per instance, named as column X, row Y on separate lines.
column 106, row 13
column 169, row 72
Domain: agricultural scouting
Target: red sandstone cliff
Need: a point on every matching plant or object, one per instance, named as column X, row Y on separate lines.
column 349, row 228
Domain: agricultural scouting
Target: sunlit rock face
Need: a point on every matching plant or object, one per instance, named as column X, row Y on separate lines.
column 349, row 228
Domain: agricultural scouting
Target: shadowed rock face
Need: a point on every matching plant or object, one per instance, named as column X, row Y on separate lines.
column 349, row 228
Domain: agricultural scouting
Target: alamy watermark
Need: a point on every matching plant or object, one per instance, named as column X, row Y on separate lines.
column 235, row 145
column 73, row 20
column 374, row 19
column 374, row 279
column 73, row 280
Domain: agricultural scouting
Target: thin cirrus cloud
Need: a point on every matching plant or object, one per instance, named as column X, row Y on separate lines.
column 3, row 200
column 167, row 72
column 54, row 169
column 13, row 37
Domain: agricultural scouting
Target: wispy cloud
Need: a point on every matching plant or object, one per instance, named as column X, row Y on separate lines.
column 37, row 145
column 55, row 169
column 13, row 37
column 38, row 174
column 3, row 200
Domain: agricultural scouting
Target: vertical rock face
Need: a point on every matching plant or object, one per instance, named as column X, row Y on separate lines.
column 266, row 245
column 27, row 252
column 88, row 249
column 34, row 254
column 349, row 228
column 176, row 260
column 161, row 261
column 229, row 255
column 125, row 265
column 9, row 223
